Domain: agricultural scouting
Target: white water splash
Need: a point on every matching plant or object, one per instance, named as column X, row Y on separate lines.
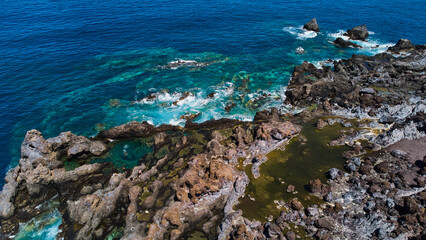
column 300, row 32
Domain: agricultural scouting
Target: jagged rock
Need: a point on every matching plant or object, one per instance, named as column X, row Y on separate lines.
column 277, row 130
column 36, row 150
column 312, row 211
column 358, row 33
column 271, row 115
column 332, row 173
column 193, row 184
column 296, row 205
column 323, row 223
column 402, row 45
column 90, row 210
column 312, row 25
column 272, row 230
column 343, row 43
column 190, row 116
column 350, row 167
column 242, row 136
column 315, row 186
column 134, row 130
column 338, row 207
column 320, row 124
column 133, row 228
column 159, row 139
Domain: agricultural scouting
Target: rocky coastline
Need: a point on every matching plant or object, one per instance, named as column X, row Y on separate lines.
column 193, row 179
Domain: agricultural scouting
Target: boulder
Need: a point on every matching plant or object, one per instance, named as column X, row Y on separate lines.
column 312, row 25
column 402, row 45
column 332, row 173
column 323, row 223
column 296, row 205
column 358, row 33
column 290, row 235
column 343, row 43
column 399, row 154
column 321, row 124
column 386, row 120
column 272, row 230
column 290, row 188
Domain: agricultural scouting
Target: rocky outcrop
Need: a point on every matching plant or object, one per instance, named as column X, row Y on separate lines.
column 39, row 166
column 343, row 43
column 358, row 33
column 89, row 210
column 343, row 86
column 312, row 25
column 276, row 130
column 402, row 45
column 36, row 150
column 134, row 130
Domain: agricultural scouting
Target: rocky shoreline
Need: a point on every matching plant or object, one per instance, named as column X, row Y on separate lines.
column 195, row 175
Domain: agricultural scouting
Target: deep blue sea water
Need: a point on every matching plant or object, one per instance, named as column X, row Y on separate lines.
column 86, row 65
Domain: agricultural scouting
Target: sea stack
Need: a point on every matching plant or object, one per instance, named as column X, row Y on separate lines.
column 312, row 25
column 358, row 33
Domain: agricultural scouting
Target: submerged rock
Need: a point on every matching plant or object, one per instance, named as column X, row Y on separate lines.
column 312, row 25
column 343, row 43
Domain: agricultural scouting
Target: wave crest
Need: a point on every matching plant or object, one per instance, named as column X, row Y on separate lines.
column 300, row 32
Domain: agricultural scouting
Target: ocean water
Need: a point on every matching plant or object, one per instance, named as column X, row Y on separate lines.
column 84, row 66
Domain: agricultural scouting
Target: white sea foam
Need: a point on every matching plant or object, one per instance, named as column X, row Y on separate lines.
column 338, row 34
column 370, row 47
column 300, row 32
column 43, row 226
column 166, row 107
column 327, row 62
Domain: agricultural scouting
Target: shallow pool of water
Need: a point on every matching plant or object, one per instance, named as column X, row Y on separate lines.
column 126, row 153
column 301, row 161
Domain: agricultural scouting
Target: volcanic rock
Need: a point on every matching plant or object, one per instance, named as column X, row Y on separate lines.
column 358, row 33
column 312, row 25
column 402, row 45
column 343, row 43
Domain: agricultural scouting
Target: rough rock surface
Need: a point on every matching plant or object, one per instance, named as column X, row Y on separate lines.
column 358, row 33
column 402, row 45
column 312, row 25
column 343, row 43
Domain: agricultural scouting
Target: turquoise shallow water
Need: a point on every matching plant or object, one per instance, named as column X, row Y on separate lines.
column 43, row 226
column 85, row 66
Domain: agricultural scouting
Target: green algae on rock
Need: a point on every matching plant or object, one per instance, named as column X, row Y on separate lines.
column 305, row 158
